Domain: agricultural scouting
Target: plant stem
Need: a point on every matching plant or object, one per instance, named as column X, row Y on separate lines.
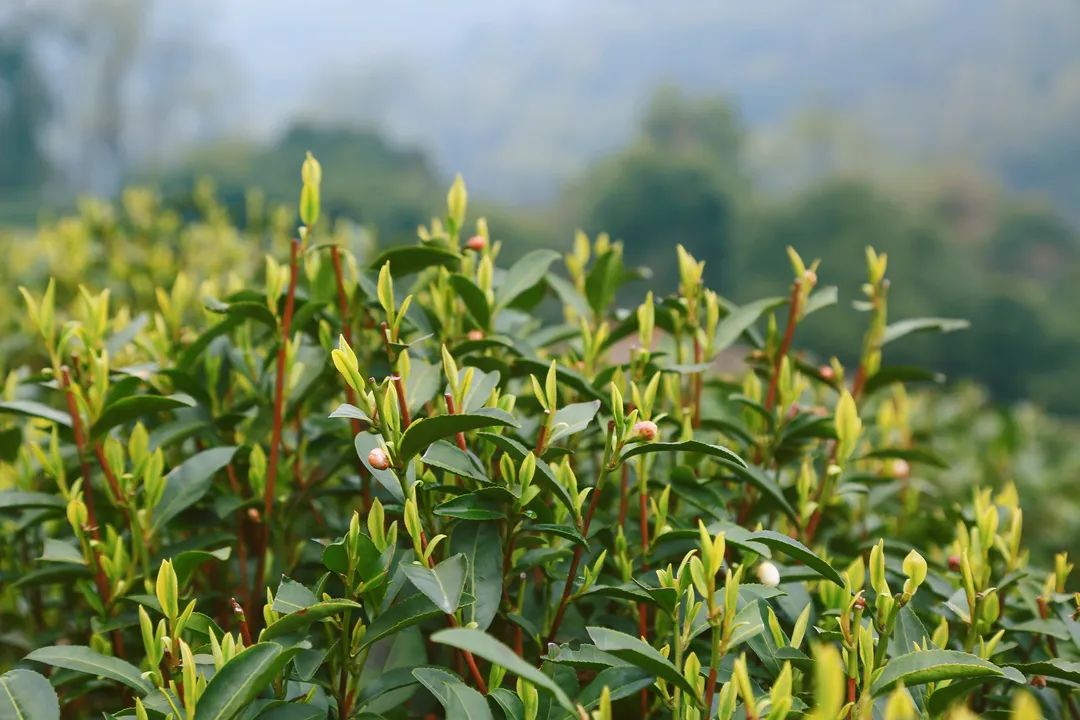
column 714, row 664
column 576, row 560
column 452, row 409
column 785, row 344
column 279, row 412
column 88, row 497
column 403, row 406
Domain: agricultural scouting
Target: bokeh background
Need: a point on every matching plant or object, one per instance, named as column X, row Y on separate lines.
column 945, row 132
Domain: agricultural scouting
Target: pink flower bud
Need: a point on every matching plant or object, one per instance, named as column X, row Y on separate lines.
column 476, row 243
column 810, row 277
column 378, row 459
column 827, row 373
column 646, row 430
column 476, row 335
column 901, row 468
column 954, row 563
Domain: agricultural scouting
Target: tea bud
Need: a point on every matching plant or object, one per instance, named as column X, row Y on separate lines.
column 378, row 459
column 646, row 430
column 768, row 574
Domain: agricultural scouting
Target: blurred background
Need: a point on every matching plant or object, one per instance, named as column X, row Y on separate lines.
column 944, row 132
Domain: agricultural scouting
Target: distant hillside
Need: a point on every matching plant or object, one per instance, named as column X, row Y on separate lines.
column 520, row 101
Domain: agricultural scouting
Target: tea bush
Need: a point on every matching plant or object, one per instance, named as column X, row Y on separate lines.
column 392, row 489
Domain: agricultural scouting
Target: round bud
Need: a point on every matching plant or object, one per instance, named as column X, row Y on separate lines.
column 827, row 373
column 476, row 243
column 378, row 459
column 810, row 277
column 954, row 563
column 646, row 430
column 768, row 574
column 901, row 468
column 254, row 515
column 860, row 602
column 476, row 335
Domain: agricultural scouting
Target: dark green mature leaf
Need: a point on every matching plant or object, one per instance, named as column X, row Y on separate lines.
column 920, row 667
column 86, row 660
column 422, row 433
column 442, row 584
column 481, row 644
column 241, row 680
column 26, row 695
column 345, row 410
column 621, row 682
column 411, row 259
column 690, row 446
column 509, row 703
column 465, row 703
column 402, row 614
column 23, row 500
column 572, row 419
column 291, row 596
column 474, row 298
column 735, row 323
column 1056, row 668
column 300, row 619
column 485, row 504
column 483, row 383
column 292, row 711
column 897, row 330
column 449, row 457
column 242, row 310
column 186, row 562
column 136, row 406
column 523, row 274
column 480, row 543
column 639, row 653
column 32, row 408
column 795, row 549
column 186, row 483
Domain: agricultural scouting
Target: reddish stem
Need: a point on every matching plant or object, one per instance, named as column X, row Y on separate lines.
column 785, row 344
column 541, row 437
column 574, row 562
column 88, row 497
column 403, row 406
column 245, row 631
column 279, row 412
column 624, row 495
column 710, row 690
column 452, row 409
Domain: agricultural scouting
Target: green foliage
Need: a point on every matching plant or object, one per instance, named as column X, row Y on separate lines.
column 390, row 488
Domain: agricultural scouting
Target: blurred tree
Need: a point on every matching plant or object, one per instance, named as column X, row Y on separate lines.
column 369, row 179
column 24, row 108
column 679, row 182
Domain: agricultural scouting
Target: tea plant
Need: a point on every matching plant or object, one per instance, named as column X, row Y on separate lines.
column 392, row 489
